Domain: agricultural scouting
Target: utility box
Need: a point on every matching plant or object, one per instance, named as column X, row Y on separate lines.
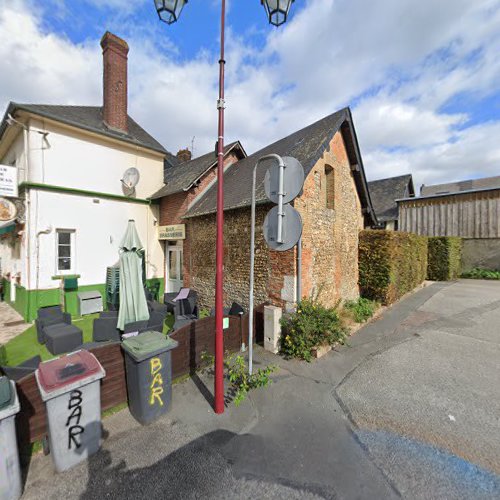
column 89, row 302
column 272, row 328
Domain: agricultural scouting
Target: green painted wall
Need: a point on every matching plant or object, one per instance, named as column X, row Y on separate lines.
column 28, row 302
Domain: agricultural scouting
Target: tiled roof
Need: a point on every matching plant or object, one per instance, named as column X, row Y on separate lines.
column 181, row 176
column 307, row 145
column 460, row 186
column 88, row 118
column 385, row 192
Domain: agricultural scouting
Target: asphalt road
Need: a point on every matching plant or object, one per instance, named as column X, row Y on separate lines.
column 410, row 409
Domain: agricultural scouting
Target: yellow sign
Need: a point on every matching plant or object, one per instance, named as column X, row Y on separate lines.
column 175, row 232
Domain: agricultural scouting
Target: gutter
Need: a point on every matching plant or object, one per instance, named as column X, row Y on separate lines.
column 445, row 195
column 83, row 192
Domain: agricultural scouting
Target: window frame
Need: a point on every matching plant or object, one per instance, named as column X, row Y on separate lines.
column 72, row 251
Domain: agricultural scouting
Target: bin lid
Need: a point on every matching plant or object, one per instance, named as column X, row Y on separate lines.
column 5, row 392
column 9, row 402
column 68, row 370
column 148, row 344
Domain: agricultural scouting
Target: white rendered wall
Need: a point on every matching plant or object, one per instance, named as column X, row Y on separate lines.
column 99, row 229
column 76, row 160
column 13, row 250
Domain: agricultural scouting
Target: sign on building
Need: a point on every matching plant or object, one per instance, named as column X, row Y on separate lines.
column 8, row 211
column 174, row 232
column 8, row 181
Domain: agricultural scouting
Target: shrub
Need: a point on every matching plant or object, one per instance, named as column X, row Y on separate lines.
column 482, row 274
column 242, row 381
column 310, row 326
column 444, row 258
column 361, row 309
column 391, row 263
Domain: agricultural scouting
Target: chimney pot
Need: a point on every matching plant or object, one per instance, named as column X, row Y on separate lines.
column 115, row 55
column 184, row 155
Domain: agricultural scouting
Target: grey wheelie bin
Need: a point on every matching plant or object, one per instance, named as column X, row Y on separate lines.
column 70, row 387
column 10, row 473
column 149, row 375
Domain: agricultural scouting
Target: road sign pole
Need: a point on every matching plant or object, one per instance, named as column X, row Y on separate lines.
column 252, row 256
column 279, row 236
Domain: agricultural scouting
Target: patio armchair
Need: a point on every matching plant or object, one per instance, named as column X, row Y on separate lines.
column 153, row 305
column 135, row 326
column 184, row 307
column 105, row 329
column 50, row 316
column 27, row 367
column 155, row 322
column 108, row 314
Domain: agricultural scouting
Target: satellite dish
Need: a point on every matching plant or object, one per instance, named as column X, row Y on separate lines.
column 130, row 180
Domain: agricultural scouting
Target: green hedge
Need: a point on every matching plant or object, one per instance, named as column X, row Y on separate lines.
column 444, row 258
column 391, row 263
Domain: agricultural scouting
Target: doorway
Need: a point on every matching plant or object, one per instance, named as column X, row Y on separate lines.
column 174, row 265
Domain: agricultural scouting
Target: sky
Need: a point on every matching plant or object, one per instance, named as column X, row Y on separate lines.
column 421, row 78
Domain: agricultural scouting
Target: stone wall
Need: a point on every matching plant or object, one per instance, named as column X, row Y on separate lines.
column 330, row 237
column 201, row 266
column 330, row 244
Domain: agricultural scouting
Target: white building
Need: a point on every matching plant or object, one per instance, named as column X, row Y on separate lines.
column 71, row 161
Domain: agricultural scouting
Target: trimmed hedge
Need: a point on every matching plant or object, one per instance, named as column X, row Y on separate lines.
column 444, row 258
column 391, row 263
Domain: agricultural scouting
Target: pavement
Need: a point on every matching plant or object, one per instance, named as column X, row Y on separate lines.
column 409, row 409
column 11, row 323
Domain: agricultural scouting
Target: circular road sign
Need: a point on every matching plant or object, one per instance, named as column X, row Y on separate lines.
column 292, row 228
column 293, row 180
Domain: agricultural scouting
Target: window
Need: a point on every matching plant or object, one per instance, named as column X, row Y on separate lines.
column 65, row 250
column 329, row 187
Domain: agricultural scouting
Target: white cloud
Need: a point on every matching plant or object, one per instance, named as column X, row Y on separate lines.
column 397, row 62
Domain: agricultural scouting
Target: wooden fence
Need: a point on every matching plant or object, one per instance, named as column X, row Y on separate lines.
column 468, row 215
column 194, row 339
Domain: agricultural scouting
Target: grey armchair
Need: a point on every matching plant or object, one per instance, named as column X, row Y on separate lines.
column 47, row 317
column 105, row 329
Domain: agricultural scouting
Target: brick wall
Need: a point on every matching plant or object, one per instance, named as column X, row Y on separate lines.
column 330, row 244
column 115, row 52
column 173, row 207
column 330, row 236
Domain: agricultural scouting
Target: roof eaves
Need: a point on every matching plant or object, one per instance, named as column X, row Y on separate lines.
column 236, row 143
column 360, row 173
column 13, row 107
column 445, row 195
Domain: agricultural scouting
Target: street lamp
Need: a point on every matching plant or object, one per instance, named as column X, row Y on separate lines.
column 169, row 11
column 277, row 10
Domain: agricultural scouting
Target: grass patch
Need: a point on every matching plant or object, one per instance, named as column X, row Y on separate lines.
column 482, row 274
column 361, row 310
column 26, row 345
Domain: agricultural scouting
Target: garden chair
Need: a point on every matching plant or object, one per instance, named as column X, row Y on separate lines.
column 105, row 330
column 48, row 316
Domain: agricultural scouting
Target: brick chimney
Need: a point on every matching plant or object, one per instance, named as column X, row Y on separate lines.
column 114, row 52
column 184, row 155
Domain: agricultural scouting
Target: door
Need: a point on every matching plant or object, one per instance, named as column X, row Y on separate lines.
column 174, row 268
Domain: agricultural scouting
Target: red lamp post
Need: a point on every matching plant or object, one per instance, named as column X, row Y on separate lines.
column 169, row 12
